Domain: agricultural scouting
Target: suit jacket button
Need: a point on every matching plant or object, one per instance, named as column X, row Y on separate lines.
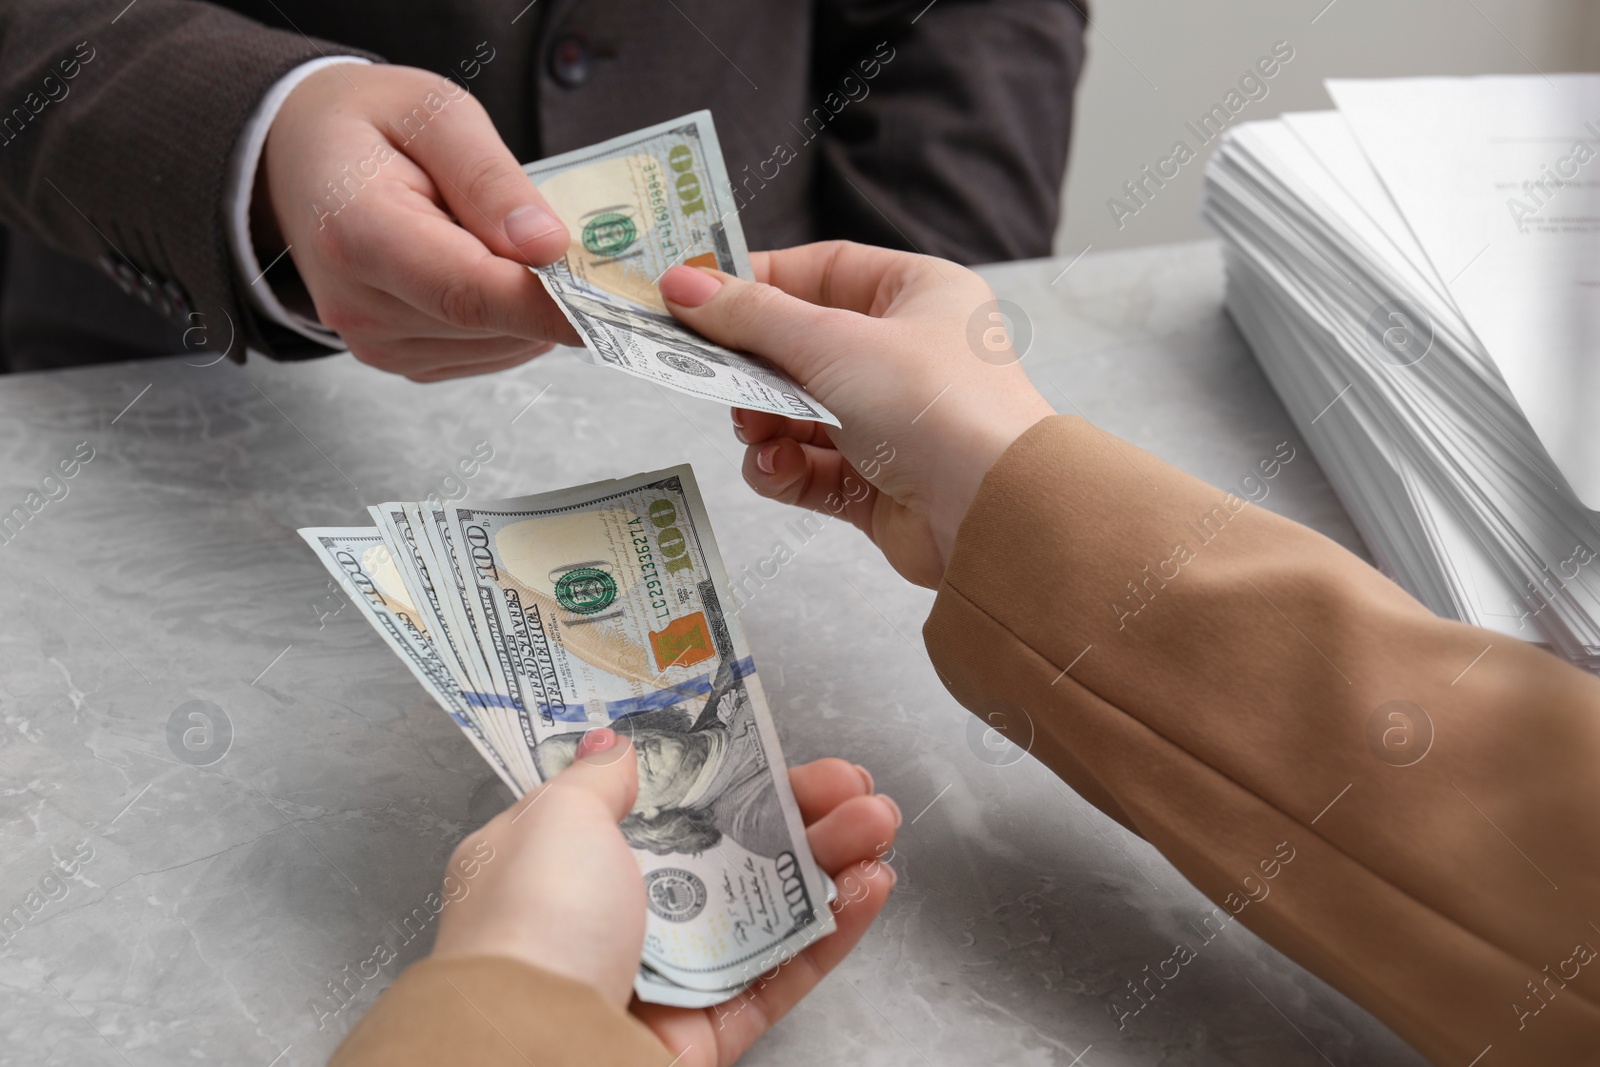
column 177, row 302
column 127, row 278
column 572, row 59
column 118, row 273
column 158, row 299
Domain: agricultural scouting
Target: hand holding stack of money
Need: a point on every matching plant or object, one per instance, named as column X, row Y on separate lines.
column 535, row 619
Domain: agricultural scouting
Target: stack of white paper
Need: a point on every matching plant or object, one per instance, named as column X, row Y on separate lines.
column 1417, row 274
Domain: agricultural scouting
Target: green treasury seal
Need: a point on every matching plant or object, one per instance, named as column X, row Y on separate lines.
column 609, row 234
column 586, row 590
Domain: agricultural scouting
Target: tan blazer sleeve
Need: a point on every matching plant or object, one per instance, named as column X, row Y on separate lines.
column 491, row 1011
column 1222, row 681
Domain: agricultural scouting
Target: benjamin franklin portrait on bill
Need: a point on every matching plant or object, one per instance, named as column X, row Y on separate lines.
column 697, row 780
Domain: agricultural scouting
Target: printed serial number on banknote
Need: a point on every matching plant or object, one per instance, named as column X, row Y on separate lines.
column 636, row 205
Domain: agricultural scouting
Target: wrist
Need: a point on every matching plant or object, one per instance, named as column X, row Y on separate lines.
column 265, row 234
column 254, row 235
column 973, row 452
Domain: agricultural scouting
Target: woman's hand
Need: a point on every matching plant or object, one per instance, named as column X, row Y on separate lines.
column 891, row 343
column 554, row 884
column 411, row 223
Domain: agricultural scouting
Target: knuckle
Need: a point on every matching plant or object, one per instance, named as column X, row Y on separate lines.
column 332, row 244
column 371, row 356
column 343, row 318
column 461, row 302
column 795, row 492
column 464, row 104
column 750, row 307
column 522, row 354
column 568, row 794
column 481, row 177
column 764, row 484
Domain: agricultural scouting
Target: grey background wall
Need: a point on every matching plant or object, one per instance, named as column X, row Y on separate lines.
column 1155, row 65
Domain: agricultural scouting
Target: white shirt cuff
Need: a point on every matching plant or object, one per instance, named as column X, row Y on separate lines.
column 242, row 182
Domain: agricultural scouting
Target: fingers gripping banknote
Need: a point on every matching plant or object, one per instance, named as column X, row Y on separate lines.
column 536, row 619
column 611, row 606
column 636, row 205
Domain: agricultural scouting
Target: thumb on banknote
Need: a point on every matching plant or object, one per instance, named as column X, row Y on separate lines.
column 753, row 317
column 604, row 766
column 551, row 880
column 485, row 188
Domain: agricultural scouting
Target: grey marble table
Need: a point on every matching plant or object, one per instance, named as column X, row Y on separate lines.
column 219, row 905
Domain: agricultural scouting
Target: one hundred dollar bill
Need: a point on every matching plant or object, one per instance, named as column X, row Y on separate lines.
column 636, row 205
column 360, row 559
column 609, row 606
column 429, row 577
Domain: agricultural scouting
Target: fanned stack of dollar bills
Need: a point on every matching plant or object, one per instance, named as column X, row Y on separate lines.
column 533, row 620
column 635, row 206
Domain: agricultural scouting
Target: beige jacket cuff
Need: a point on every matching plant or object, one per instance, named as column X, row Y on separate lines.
column 1222, row 681
column 493, row 1011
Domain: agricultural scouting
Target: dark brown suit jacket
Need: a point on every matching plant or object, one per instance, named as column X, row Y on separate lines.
column 956, row 146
